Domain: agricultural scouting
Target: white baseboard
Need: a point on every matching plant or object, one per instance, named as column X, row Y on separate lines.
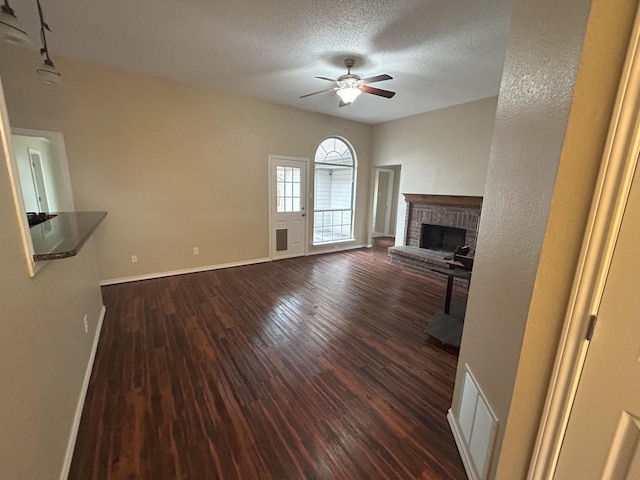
column 151, row 276
column 206, row 268
column 465, row 455
column 66, row 466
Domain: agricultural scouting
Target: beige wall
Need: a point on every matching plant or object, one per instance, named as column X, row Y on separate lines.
column 551, row 120
column 176, row 167
column 601, row 64
column 441, row 152
column 44, row 348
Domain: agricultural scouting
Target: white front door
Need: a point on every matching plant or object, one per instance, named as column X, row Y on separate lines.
column 603, row 434
column 287, row 206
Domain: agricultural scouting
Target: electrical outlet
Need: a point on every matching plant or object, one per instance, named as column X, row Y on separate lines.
column 134, row 258
column 86, row 325
column 196, row 250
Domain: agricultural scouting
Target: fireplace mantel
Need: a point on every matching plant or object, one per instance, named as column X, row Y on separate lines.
column 460, row 201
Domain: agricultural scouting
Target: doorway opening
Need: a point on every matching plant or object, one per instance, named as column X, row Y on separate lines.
column 385, row 201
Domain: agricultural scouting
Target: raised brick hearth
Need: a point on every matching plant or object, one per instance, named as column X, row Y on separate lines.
column 446, row 210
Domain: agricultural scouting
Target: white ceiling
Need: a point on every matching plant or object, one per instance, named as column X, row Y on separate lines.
column 440, row 52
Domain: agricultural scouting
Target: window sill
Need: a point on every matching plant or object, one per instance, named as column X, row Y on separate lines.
column 333, row 242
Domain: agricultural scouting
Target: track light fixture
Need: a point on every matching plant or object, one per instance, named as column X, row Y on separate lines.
column 12, row 32
column 48, row 72
column 10, row 29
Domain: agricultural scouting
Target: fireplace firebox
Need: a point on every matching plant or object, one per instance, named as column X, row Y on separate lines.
column 440, row 237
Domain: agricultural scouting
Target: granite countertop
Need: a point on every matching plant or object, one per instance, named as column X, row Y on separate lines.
column 63, row 235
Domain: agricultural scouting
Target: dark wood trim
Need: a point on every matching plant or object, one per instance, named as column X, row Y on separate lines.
column 461, row 201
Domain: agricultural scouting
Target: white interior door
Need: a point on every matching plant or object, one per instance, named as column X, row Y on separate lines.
column 35, row 161
column 287, row 204
column 603, row 434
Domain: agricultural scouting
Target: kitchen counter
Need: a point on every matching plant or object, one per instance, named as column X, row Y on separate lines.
column 63, row 235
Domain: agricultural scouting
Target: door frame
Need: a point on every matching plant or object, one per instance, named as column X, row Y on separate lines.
column 272, row 159
column 619, row 161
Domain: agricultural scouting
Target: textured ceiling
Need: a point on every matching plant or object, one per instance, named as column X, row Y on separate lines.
column 440, row 52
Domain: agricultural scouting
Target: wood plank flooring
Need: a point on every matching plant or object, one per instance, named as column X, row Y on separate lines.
column 307, row 368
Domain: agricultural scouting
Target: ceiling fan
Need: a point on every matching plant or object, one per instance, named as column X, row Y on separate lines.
column 350, row 86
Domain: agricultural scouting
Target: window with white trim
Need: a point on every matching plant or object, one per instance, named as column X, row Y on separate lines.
column 335, row 173
column 287, row 189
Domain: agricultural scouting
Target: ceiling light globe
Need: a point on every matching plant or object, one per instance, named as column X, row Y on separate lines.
column 348, row 95
column 10, row 29
column 49, row 74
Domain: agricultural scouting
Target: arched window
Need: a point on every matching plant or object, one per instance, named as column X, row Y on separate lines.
column 335, row 174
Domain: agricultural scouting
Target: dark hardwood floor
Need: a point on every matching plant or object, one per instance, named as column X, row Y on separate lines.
column 307, row 368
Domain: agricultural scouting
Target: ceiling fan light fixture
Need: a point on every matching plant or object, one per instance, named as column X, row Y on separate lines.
column 348, row 94
column 10, row 29
column 349, row 86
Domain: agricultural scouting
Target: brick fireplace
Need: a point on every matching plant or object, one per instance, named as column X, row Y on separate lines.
column 446, row 210
column 458, row 211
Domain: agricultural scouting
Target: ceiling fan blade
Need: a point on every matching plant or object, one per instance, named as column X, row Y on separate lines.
column 321, row 91
column 329, row 79
column 377, row 91
column 377, row 78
